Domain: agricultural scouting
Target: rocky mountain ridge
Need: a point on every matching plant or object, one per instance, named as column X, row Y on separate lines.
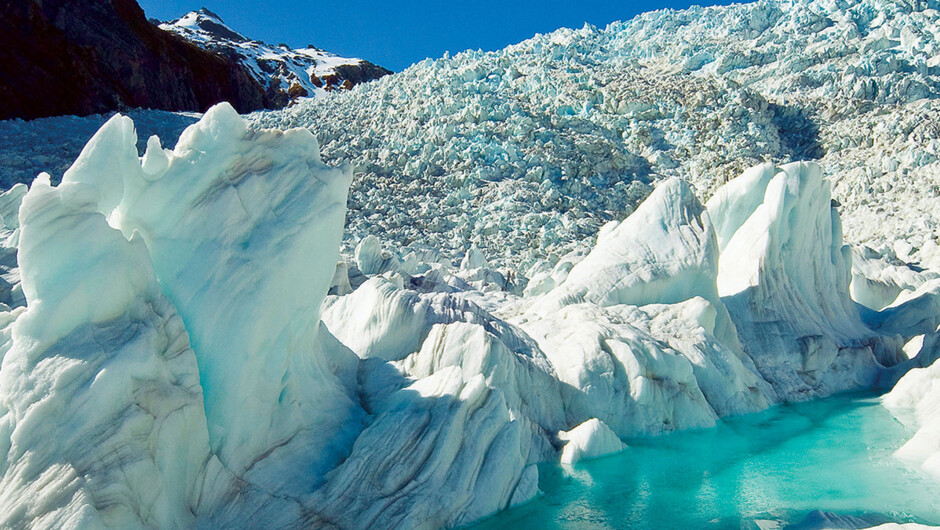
column 287, row 74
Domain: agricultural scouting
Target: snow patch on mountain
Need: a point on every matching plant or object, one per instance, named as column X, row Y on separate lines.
column 291, row 73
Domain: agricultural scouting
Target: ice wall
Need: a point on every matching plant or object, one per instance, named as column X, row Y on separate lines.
column 784, row 274
column 243, row 229
column 665, row 252
column 101, row 410
column 916, row 401
column 444, row 451
column 675, row 362
column 169, row 366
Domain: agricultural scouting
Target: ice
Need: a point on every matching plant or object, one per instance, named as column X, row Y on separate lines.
column 243, row 230
column 664, row 252
column 916, row 401
column 525, row 303
column 732, row 204
column 372, row 259
column 587, row 351
column 914, row 313
column 378, row 319
column 155, row 160
column 784, row 274
column 10, row 202
column 172, row 327
column 186, row 287
column 591, row 439
column 726, row 375
column 473, row 260
column 443, row 452
column 107, row 162
column 101, row 411
column 674, row 364
column 11, row 288
column 382, row 318
column 878, row 279
column 52, row 144
column 526, row 152
column 532, row 391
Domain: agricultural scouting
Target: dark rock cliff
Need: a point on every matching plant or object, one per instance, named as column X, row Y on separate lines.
column 91, row 56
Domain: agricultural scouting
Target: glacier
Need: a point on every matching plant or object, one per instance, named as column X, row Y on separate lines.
column 388, row 307
column 102, row 411
column 914, row 400
column 550, row 139
column 151, row 433
column 184, row 345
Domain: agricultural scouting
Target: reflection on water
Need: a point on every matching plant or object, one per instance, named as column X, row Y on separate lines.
column 774, row 467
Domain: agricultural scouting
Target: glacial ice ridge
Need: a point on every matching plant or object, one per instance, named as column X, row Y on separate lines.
column 180, row 348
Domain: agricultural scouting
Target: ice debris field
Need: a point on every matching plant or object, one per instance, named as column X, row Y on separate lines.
column 586, row 239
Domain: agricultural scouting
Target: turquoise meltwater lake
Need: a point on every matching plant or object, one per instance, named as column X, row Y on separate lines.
column 766, row 470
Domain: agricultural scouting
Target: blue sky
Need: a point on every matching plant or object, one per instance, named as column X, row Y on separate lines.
column 396, row 34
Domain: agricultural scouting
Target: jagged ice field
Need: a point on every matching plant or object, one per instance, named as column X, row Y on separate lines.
column 417, row 303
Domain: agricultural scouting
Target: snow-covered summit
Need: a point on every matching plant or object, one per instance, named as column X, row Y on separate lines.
column 292, row 73
column 204, row 26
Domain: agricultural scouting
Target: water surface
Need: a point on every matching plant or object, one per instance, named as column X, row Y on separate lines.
column 772, row 468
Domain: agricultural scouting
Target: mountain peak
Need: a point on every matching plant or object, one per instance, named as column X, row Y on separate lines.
column 206, row 12
column 206, row 24
column 287, row 73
